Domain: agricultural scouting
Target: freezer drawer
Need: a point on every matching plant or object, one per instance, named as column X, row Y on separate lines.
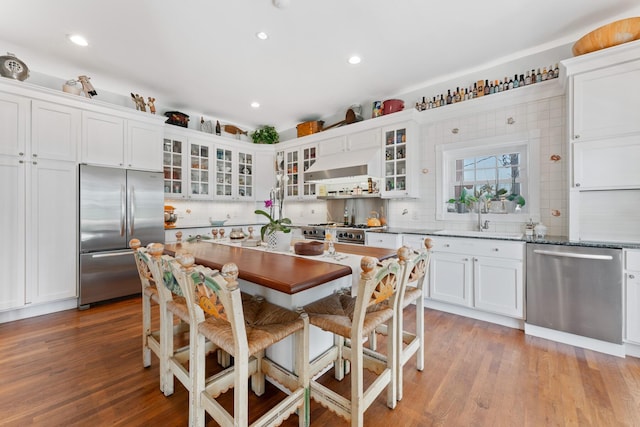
column 107, row 275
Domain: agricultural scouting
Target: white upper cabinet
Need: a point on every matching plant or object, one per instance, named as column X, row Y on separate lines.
column 115, row 141
column 55, row 131
column 400, row 153
column 296, row 161
column 143, row 146
column 606, row 102
column 351, row 142
column 606, row 164
column 102, row 139
column 13, row 124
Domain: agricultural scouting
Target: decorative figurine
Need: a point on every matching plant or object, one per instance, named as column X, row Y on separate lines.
column 151, row 104
column 87, row 87
column 139, row 100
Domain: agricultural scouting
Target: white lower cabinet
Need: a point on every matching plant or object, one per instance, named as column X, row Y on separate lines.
column 39, row 254
column 632, row 282
column 52, row 231
column 450, row 278
column 383, row 240
column 487, row 275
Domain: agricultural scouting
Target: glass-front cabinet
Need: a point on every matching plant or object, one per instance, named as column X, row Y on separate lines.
column 234, row 174
column 224, row 172
column 173, row 151
column 400, row 154
column 245, row 175
column 199, row 170
column 186, row 164
column 296, row 162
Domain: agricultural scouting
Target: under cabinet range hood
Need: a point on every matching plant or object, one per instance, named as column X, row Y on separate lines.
column 347, row 164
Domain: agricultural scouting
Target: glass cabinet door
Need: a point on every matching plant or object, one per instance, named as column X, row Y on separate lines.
column 199, row 170
column 245, row 175
column 308, row 158
column 395, row 165
column 292, row 166
column 172, row 162
column 224, row 172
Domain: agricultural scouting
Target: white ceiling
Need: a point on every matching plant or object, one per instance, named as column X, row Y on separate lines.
column 203, row 56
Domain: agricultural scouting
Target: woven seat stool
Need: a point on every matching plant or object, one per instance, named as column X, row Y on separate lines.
column 351, row 320
column 174, row 362
column 244, row 326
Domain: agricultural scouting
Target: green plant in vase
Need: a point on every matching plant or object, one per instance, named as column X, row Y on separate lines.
column 265, row 135
column 463, row 203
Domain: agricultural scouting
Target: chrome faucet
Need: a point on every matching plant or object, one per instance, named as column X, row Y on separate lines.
column 482, row 206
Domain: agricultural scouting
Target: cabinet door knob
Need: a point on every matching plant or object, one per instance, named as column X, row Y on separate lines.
column 447, row 245
column 20, row 161
column 475, row 259
column 577, row 184
column 465, row 259
column 576, row 137
column 631, row 276
column 35, row 163
column 495, row 249
column 34, row 155
column 21, row 154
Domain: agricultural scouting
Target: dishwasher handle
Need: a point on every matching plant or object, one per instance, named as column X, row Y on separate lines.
column 573, row 255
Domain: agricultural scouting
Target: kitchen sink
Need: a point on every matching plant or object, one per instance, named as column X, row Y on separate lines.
column 487, row 234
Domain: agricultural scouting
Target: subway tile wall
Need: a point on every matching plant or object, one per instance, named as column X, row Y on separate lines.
column 547, row 115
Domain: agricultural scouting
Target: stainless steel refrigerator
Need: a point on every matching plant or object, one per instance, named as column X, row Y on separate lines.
column 116, row 205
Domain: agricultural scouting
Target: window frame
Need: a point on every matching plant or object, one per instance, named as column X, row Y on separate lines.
column 527, row 143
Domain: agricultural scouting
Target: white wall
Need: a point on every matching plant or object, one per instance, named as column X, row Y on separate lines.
column 546, row 115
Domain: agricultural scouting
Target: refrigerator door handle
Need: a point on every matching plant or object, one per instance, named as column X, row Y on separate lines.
column 122, row 210
column 112, row 254
column 132, row 211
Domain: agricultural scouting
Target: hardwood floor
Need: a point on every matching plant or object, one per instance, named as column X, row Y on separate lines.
column 85, row 368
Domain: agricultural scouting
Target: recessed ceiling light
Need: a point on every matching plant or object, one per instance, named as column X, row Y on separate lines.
column 78, row 39
column 255, row 104
column 262, row 35
column 354, row 60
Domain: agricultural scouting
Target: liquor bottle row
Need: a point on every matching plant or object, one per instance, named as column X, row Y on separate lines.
column 488, row 87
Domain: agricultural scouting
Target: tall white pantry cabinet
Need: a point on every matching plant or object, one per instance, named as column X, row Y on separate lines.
column 41, row 145
column 604, row 135
column 39, row 174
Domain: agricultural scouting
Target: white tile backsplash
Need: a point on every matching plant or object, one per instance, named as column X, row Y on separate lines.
column 546, row 115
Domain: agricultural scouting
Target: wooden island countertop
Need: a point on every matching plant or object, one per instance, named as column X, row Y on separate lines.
column 282, row 272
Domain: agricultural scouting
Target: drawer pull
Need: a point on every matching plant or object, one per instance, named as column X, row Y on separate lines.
column 446, row 245
column 631, row 276
column 495, row 249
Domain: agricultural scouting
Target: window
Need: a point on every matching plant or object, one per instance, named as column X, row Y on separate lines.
column 492, row 175
column 496, row 171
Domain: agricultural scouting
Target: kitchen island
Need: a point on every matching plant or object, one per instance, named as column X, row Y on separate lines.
column 277, row 271
column 286, row 279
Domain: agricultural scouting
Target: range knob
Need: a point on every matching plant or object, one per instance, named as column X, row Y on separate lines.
column 359, row 237
column 350, row 235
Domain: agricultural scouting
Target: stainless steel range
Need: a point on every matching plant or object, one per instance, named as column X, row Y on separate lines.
column 344, row 234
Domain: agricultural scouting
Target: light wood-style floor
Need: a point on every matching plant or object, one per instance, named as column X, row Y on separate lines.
column 78, row 368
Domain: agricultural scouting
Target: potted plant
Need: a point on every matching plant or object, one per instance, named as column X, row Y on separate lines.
column 281, row 224
column 464, row 201
column 265, row 135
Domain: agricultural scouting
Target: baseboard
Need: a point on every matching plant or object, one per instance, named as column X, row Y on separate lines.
column 33, row 310
column 475, row 314
column 632, row 349
column 575, row 340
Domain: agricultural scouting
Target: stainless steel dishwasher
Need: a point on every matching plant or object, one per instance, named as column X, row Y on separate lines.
column 575, row 289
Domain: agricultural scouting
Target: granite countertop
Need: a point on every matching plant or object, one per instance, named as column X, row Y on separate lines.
column 234, row 224
column 548, row 240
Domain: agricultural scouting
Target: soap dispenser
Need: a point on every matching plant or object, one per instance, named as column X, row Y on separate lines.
column 529, row 230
